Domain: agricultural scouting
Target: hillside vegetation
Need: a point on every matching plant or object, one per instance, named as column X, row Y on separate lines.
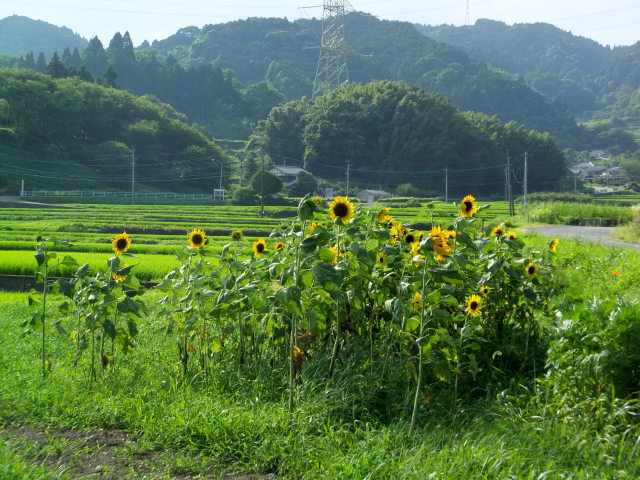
column 61, row 130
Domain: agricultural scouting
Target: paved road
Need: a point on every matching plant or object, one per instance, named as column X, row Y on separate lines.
column 589, row 234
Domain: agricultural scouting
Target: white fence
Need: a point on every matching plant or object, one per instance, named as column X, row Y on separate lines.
column 83, row 194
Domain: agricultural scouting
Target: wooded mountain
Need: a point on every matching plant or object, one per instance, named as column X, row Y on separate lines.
column 389, row 133
column 576, row 72
column 71, row 132
column 21, row 35
column 285, row 53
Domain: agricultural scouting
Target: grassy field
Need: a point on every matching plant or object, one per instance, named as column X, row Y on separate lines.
column 140, row 421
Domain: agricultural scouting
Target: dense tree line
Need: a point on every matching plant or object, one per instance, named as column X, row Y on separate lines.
column 390, row 133
column 208, row 95
column 70, row 120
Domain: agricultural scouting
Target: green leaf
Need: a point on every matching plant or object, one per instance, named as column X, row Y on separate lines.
column 40, row 257
column 65, row 287
column 412, row 324
column 309, row 244
column 109, row 328
column 113, row 263
column 82, row 271
column 69, row 261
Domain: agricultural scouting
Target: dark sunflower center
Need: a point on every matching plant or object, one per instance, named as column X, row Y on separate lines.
column 121, row 244
column 468, row 206
column 410, row 238
column 381, row 259
column 532, row 270
column 260, row 248
column 340, row 210
column 473, row 305
column 196, row 239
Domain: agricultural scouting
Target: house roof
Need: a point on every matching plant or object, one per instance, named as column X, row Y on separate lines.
column 374, row 192
column 285, row 171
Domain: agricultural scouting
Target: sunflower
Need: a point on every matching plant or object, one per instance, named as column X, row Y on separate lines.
column 484, row 290
column 237, row 235
column 416, row 302
column 415, row 249
column 512, row 236
column 383, row 216
column 468, row 207
column 382, row 259
column 317, row 200
column 118, row 278
column 197, row 238
column 474, row 305
column 554, row 245
column 314, row 225
column 436, row 231
column 531, row 270
column 410, row 237
column 121, row 243
column 259, row 247
column 441, row 247
column 498, row 232
column 451, row 234
column 334, row 250
column 280, row 246
column 341, row 208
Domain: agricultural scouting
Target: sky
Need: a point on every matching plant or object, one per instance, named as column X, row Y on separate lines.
column 608, row 22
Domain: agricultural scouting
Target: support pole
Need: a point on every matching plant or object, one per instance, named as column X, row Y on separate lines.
column 446, row 185
column 348, row 174
column 133, row 175
column 526, row 172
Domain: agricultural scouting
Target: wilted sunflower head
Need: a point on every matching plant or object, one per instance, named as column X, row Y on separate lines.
column 121, row 243
column 473, row 305
column 237, row 235
column 554, row 245
column 468, row 206
column 531, row 270
column 197, row 238
column 259, row 247
column 498, row 231
column 341, row 208
column 280, row 246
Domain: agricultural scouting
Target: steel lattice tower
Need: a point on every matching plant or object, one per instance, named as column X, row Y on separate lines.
column 332, row 71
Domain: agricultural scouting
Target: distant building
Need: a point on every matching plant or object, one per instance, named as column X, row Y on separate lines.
column 599, row 154
column 287, row 175
column 587, row 171
column 369, row 196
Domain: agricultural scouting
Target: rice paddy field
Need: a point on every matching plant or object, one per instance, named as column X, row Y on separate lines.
column 349, row 351
column 159, row 232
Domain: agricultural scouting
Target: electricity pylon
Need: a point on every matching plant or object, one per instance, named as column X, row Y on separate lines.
column 332, row 71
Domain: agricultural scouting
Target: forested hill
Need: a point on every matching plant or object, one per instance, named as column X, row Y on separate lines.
column 590, row 80
column 61, row 132
column 22, row 35
column 285, row 54
column 525, row 48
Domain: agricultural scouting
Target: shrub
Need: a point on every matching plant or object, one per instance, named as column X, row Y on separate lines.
column 244, row 196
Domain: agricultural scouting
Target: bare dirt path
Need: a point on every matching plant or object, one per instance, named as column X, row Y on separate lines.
column 589, row 234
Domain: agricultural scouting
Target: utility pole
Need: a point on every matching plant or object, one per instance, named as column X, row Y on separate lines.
column 512, row 210
column 261, row 184
column 466, row 17
column 348, row 174
column 446, row 184
column 575, row 183
column 133, row 175
column 506, row 179
column 525, row 179
column 22, row 188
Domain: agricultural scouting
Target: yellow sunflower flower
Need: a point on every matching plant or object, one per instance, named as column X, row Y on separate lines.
column 531, row 270
column 341, row 208
column 554, row 245
column 473, row 305
column 484, row 290
column 416, row 302
column 383, row 216
column 197, row 238
column 314, row 225
column 259, row 247
column 280, row 246
column 410, row 237
column 498, row 231
column 451, row 234
column 121, row 243
column 382, row 259
column 468, row 207
column 512, row 236
column 334, row 250
column 237, row 235
column 441, row 247
column 119, row 278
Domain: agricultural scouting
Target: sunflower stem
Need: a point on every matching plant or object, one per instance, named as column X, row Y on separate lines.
column 294, row 326
column 414, row 413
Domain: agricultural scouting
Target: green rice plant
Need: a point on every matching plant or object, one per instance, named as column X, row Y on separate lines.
column 573, row 213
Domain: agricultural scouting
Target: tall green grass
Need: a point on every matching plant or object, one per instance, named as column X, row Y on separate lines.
column 574, row 213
